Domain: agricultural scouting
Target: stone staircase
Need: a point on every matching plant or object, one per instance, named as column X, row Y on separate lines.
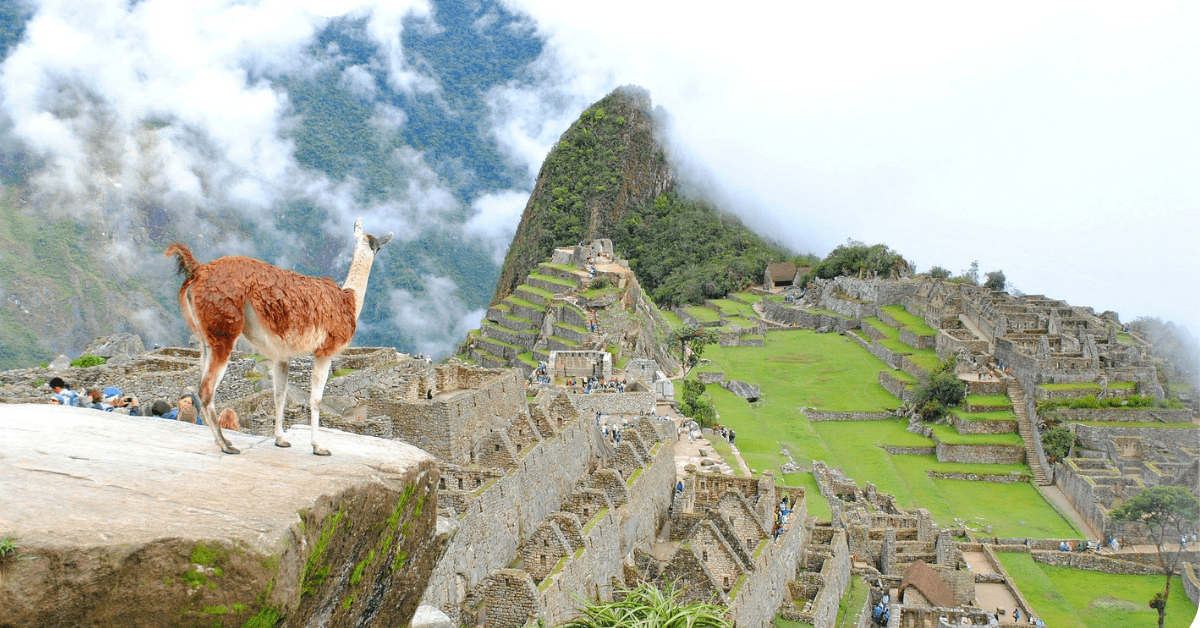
column 1017, row 395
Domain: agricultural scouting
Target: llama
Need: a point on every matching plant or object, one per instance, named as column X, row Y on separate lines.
column 282, row 314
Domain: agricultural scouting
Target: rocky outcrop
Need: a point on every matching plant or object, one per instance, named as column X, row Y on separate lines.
column 143, row 522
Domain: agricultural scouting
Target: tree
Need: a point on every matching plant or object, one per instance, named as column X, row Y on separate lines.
column 943, row 390
column 995, row 280
column 1168, row 512
column 1057, row 442
column 857, row 259
column 648, row 606
column 692, row 341
column 971, row 275
column 696, row 406
column 937, row 272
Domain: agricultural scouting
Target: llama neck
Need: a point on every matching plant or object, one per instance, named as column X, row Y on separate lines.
column 356, row 279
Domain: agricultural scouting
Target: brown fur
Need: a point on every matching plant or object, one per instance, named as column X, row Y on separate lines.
column 290, row 315
column 229, row 420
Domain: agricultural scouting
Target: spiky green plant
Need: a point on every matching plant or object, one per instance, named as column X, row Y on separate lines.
column 649, row 607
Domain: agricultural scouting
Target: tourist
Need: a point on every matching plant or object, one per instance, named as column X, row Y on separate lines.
column 121, row 404
column 228, row 420
column 1017, row 614
column 63, row 395
column 94, row 399
column 160, row 409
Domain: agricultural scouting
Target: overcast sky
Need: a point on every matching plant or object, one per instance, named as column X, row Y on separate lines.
column 1058, row 141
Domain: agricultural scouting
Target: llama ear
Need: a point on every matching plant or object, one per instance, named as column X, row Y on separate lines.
column 358, row 228
column 385, row 239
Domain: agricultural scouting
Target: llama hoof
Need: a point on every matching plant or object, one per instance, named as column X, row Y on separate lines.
column 230, row 449
column 279, row 442
column 320, row 452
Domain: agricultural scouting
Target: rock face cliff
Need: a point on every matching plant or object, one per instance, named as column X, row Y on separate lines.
column 130, row 521
column 608, row 161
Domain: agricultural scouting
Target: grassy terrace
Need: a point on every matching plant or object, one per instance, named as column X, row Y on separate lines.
column 731, row 308
column 542, row 292
column 1070, row 598
column 912, row 323
column 703, row 314
column 593, row 293
column 802, row 369
column 996, row 415
column 950, row 436
column 554, row 280
column 989, row 400
column 672, row 319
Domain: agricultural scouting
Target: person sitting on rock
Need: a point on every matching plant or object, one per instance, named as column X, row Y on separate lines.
column 94, row 399
column 160, row 408
column 63, row 395
column 229, row 420
column 186, row 409
column 121, row 404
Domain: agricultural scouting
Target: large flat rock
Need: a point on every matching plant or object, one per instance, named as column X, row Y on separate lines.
column 143, row 521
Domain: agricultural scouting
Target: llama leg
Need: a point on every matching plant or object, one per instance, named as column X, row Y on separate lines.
column 320, row 374
column 215, row 364
column 279, row 377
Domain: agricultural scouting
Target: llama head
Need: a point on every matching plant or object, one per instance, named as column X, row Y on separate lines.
column 366, row 239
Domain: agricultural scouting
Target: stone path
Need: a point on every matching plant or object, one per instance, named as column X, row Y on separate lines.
column 1017, row 395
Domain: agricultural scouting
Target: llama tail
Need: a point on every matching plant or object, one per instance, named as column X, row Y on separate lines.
column 183, row 256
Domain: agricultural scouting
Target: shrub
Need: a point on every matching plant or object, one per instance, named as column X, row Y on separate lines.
column 937, row 272
column 943, row 390
column 648, row 606
column 85, row 361
column 1057, row 442
column 995, row 280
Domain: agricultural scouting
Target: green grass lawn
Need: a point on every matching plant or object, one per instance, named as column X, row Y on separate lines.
column 805, row 369
column 1070, row 598
column 731, row 308
column 989, row 400
column 950, row 436
column 703, row 314
column 674, row 321
column 995, row 415
column 912, row 323
column 749, row 297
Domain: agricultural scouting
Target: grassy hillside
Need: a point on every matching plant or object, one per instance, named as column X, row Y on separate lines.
column 606, row 163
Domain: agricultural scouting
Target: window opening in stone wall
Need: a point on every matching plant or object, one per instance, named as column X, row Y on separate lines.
column 543, row 557
column 460, row 484
column 726, row 583
column 442, row 483
column 704, row 556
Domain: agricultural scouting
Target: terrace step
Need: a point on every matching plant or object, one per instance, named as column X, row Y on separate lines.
column 1017, row 395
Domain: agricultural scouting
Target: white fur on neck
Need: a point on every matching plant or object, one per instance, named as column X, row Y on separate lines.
column 360, row 270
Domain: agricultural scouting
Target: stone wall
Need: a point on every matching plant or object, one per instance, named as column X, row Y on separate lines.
column 835, row 574
column 1097, row 437
column 502, row 513
column 1149, row 415
column 980, row 454
column 613, row 403
column 792, row 315
column 609, row 539
column 949, row 341
column 1191, row 583
column 1089, row 561
column 902, row 389
column 967, row 426
column 819, row 415
column 765, row 588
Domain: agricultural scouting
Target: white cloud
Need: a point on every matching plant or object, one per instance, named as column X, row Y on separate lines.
column 434, row 320
column 1058, row 142
column 495, row 220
